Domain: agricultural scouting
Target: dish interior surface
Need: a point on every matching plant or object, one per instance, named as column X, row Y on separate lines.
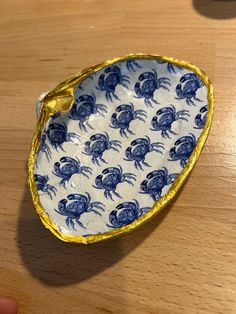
column 129, row 134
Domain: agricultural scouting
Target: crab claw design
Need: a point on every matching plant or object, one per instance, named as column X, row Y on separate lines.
column 110, row 178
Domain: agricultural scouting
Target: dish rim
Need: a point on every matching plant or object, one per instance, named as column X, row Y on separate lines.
column 60, row 99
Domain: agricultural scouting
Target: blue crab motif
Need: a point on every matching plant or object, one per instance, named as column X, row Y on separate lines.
column 171, row 68
column 131, row 65
column 43, row 147
column 200, row 119
column 109, row 80
column 164, row 118
column 125, row 213
column 83, row 108
column 148, row 83
column 190, row 83
column 98, row 144
column 110, row 178
column 183, row 149
column 138, row 150
column 42, row 185
column 57, row 135
column 123, row 116
column 156, row 181
column 75, row 205
column 67, row 167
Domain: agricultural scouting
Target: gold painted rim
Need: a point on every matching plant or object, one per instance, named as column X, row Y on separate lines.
column 61, row 98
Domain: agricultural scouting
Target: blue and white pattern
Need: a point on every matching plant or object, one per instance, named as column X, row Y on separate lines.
column 138, row 150
column 67, row 167
column 43, row 186
column 110, row 79
column 129, row 133
column 57, row 135
column 98, row 144
column 125, row 213
column 110, row 178
column 200, row 118
column 182, row 149
column 164, row 118
column 83, row 107
column 156, row 181
column 75, row 205
column 148, row 83
column 123, row 116
column 187, row 89
column 171, row 68
column 132, row 65
column 43, row 147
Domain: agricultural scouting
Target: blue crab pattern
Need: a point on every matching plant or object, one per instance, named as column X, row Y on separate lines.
column 109, row 80
column 156, row 181
column 110, row 178
column 67, row 167
column 75, row 205
column 138, row 150
column 125, row 213
column 148, row 83
column 183, row 149
column 83, row 108
column 98, row 144
column 57, row 135
column 129, row 133
column 123, row 116
column 187, row 89
column 171, row 68
column 42, row 185
column 43, row 147
column 132, row 65
column 200, row 119
column 164, row 118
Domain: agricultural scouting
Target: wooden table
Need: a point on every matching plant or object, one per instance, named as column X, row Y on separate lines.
column 184, row 260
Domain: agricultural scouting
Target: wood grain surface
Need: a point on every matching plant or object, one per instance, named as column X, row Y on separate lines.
column 184, row 260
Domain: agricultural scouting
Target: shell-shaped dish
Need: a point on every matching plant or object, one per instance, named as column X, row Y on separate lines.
column 114, row 144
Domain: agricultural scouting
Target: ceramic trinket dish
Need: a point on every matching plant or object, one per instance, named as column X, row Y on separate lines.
column 115, row 142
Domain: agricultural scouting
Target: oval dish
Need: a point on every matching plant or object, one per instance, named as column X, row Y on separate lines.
column 115, row 142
